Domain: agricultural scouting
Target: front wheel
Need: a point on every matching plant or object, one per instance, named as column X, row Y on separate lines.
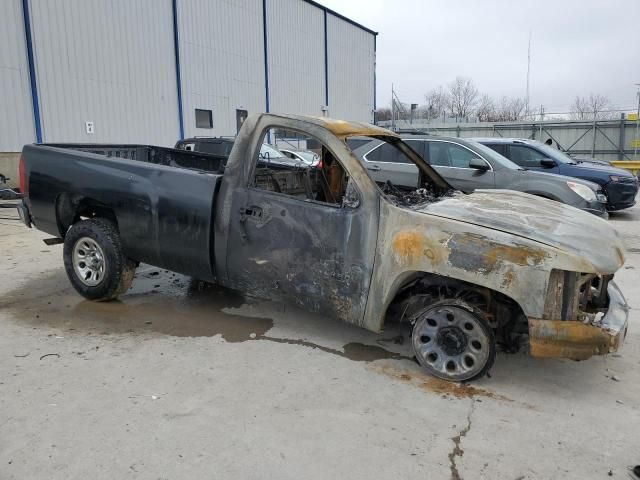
column 453, row 341
column 94, row 261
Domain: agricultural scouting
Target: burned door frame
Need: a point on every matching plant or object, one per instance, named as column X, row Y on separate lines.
column 313, row 254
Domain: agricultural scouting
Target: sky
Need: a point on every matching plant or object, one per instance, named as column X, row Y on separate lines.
column 577, row 47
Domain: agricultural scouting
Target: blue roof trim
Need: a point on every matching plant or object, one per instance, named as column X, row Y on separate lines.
column 266, row 56
column 342, row 17
column 32, row 71
column 375, row 67
column 176, row 46
column 326, row 63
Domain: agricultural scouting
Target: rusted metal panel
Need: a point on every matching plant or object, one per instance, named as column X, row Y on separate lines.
column 493, row 240
column 553, row 305
column 410, row 242
column 343, row 128
column 568, row 339
column 580, row 340
column 551, row 225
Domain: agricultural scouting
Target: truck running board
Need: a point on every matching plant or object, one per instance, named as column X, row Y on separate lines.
column 53, row 241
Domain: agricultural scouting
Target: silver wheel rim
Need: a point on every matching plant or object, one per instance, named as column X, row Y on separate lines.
column 89, row 262
column 450, row 343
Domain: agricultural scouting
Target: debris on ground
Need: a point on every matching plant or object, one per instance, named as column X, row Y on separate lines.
column 152, row 397
column 50, row 355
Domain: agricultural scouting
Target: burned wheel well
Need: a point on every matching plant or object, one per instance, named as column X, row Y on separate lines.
column 71, row 209
column 421, row 289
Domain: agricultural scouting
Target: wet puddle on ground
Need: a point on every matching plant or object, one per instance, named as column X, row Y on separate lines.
column 166, row 303
column 159, row 302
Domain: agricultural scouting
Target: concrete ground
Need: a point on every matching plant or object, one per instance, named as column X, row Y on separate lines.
column 182, row 380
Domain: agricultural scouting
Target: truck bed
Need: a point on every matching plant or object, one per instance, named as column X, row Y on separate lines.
column 162, row 199
column 170, row 157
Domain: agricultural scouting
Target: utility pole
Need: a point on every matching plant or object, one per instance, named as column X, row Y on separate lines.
column 526, row 108
column 393, row 110
column 414, row 106
column 541, row 119
column 595, row 125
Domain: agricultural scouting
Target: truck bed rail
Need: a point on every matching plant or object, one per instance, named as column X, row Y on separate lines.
column 152, row 154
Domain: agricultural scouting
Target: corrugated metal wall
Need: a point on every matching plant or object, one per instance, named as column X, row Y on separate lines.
column 113, row 63
column 109, row 62
column 221, row 61
column 16, row 114
column 296, row 57
column 351, row 69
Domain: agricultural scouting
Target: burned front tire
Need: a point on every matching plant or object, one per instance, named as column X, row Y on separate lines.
column 94, row 261
column 453, row 341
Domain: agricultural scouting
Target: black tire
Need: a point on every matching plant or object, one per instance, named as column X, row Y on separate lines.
column 117, row 272
column 452, row 333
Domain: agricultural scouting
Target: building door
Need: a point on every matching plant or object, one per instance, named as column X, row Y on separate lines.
column 241, row 116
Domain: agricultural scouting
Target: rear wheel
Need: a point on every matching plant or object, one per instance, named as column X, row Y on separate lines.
column 94, row 261
column 453, row 341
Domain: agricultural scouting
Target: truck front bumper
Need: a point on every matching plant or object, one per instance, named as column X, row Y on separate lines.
column 577, row 340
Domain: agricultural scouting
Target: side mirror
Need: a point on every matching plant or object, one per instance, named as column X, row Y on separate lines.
column 547, row 163
column 478, row 164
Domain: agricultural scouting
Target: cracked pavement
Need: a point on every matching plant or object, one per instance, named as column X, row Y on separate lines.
column 183, row 380
column 457, row 450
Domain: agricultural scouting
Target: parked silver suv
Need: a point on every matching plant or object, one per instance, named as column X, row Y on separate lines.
column 469, row 166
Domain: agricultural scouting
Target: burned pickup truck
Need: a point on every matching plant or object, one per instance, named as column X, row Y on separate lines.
column 465, row 270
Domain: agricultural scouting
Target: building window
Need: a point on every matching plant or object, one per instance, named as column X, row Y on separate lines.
column 204, row 118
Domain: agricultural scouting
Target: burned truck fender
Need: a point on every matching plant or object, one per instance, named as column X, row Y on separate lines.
column 511, row 266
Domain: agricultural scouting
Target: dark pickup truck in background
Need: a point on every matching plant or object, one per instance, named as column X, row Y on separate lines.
column 463, row 269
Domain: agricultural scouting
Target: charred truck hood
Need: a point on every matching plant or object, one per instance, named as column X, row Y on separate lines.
column 547, row 222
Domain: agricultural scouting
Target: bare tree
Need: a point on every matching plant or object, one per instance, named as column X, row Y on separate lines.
column 462, row 97
column 580, row 109
column 510, row 109
column 594, row 106
column 436, row 103
column 486, row 109
column 383, row 114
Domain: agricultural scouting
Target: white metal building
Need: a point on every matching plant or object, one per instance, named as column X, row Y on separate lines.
column 153, row 71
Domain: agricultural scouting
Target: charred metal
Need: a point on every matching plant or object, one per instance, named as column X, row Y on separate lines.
column 463, row 269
